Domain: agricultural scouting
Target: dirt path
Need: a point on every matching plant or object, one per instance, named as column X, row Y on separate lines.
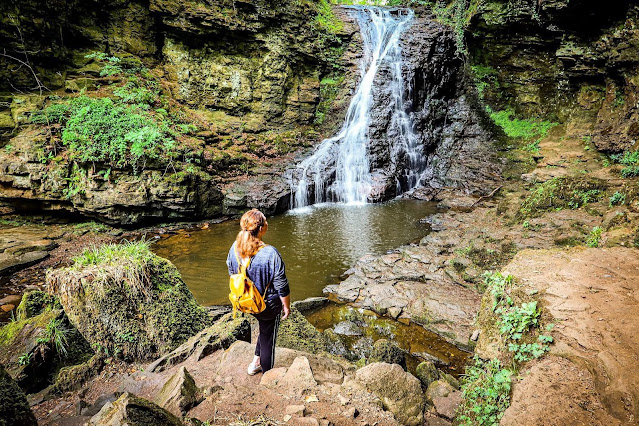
column 591, row 376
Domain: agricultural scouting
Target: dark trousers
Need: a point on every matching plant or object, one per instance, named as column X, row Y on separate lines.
column 269, row 322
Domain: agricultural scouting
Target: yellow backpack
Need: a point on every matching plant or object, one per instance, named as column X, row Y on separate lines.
column 244, row 295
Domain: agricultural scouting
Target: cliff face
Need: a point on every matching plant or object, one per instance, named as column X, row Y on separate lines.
column 574, row 60
column 247, row 73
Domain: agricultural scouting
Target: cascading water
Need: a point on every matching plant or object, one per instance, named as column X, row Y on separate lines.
column 352, row 181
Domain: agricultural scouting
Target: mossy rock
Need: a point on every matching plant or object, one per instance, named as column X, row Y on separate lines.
column 35, row 302
column 128, row 302
column 386, row 351
column 297, row 333
column 427, row 373
column 74, row 377
column 35, row 349
column 15, row 408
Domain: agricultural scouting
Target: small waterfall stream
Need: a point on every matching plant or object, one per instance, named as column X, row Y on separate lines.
column 351, row 181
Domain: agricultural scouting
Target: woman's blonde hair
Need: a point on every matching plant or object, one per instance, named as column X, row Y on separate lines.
column 251, row 224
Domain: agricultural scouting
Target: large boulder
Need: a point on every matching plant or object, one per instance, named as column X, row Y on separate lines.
column 399, row 391
column 133, row 411
column 15, row 408
column 127, row 301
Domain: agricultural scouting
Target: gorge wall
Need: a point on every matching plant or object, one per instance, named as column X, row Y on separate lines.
column 246, row 73
column 263, row 81
column 573, row 61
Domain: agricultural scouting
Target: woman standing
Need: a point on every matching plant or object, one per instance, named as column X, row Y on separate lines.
column 266, row 270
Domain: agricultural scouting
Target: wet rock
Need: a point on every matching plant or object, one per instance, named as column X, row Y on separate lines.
column 310, row 303
column 415, row 283
column 334, row 344
column 347, row 328
column 15, row 408
column 399, row 391
column 427, row 373
column 387, row 351
column 221, row 335
column 135, row 315
column 134, row 411
column 450, row 380
column 179, row 394
column 438, row 389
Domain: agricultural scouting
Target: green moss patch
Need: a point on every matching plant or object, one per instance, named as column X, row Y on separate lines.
column 297, row 333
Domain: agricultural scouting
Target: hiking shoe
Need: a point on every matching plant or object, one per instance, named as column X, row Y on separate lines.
column 253, row 369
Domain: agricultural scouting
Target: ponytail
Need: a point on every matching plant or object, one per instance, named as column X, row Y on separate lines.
column 248, row 241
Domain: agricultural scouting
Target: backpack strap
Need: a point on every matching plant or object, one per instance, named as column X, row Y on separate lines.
column 239, row 262
column 245, row 267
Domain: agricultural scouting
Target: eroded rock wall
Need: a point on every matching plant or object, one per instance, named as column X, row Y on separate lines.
column 573, row 61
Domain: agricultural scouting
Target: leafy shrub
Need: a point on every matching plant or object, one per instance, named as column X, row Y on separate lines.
column 631, row 162
column 485, row 393
column 101, row 130
column 515, row 322
column 617, row 199
column 594, row 237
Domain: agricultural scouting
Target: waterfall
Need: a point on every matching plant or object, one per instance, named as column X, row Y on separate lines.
column 351, row 180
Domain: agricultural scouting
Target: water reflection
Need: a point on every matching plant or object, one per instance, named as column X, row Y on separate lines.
column 318, row 244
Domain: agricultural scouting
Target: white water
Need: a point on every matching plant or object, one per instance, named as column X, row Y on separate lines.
column 352, row 184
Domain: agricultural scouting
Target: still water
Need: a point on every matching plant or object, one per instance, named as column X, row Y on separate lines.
column 318, row 244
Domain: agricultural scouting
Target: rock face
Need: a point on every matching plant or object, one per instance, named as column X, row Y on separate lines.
column 15, row 408
column 23, row 247
column 251, row 70
column 179, row 393
column 572, row 60
column 445, row 124
column 399, row 391
column 134, row 411
column 221, row 335
column 135, row 308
